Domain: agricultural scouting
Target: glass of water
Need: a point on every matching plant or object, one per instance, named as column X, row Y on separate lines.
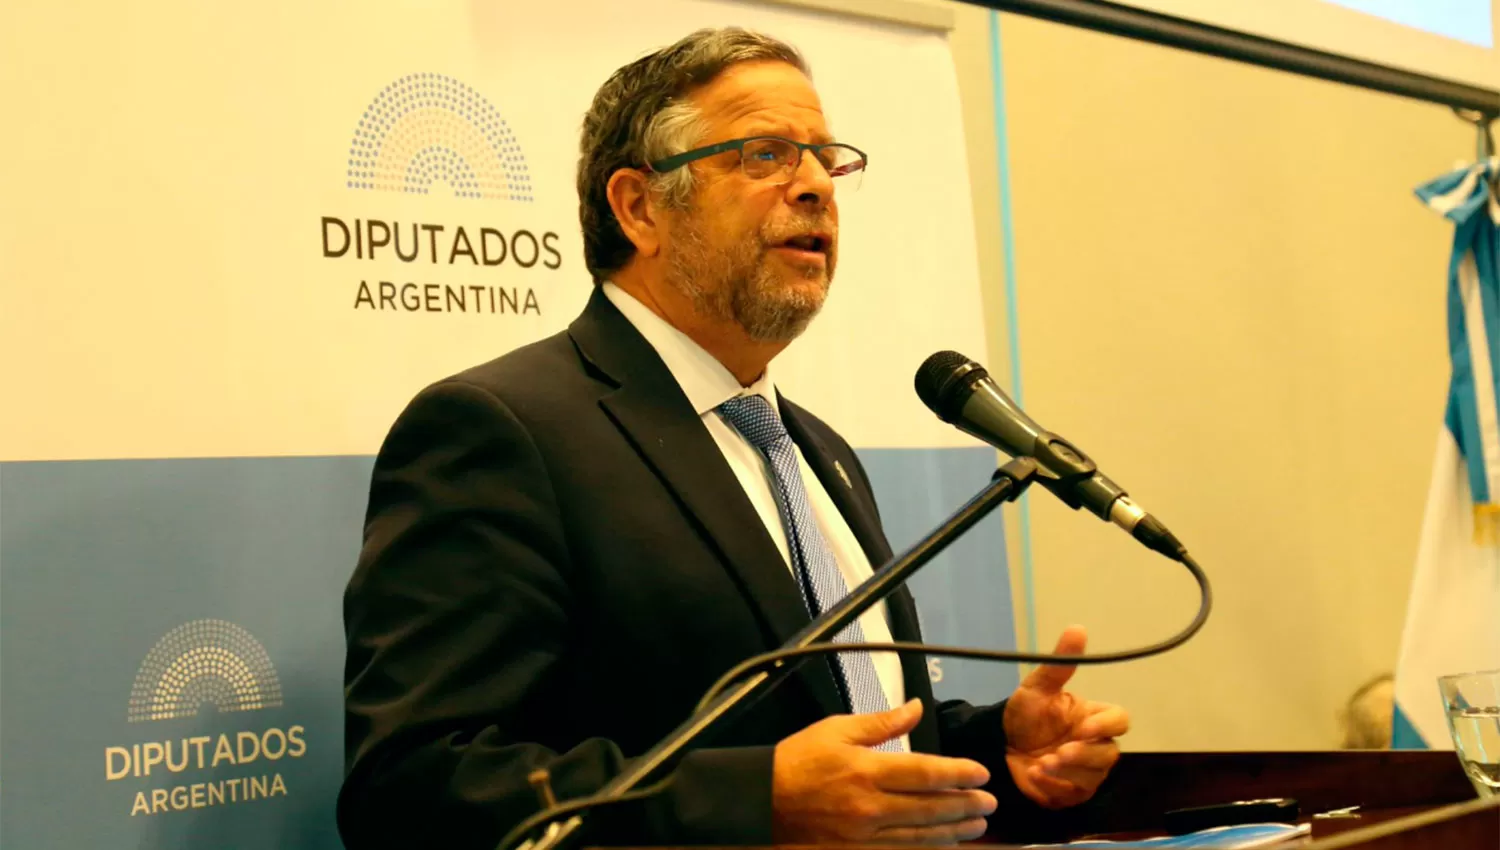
column 1472, row 702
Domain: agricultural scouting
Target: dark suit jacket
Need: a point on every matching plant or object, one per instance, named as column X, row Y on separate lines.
column 558, row 562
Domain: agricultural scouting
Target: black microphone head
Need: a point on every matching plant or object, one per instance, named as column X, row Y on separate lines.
column 944, row 382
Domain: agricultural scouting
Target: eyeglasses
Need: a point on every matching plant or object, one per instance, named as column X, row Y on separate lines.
column 777, row 158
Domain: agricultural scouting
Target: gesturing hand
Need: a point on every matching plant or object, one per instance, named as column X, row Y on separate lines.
column 829, row 787
column 1059, row 748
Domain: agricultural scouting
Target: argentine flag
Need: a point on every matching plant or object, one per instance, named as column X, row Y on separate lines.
column 1453, row 616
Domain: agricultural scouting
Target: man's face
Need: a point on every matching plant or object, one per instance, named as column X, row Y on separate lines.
column 758, row 252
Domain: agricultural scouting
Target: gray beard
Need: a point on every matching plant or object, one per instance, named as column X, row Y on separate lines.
column 737, row 285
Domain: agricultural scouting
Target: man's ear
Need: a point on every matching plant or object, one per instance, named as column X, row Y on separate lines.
column 636, row 210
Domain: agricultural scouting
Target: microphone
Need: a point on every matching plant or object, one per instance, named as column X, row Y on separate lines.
column 962, row 394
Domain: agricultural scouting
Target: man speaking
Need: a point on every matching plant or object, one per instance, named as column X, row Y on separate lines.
column 566, row 546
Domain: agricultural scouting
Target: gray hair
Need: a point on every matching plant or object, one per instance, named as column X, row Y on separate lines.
column 641, row 114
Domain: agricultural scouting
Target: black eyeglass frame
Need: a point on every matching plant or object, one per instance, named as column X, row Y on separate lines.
column 676, row 161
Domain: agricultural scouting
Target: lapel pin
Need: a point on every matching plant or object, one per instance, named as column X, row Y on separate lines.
column 839, row 467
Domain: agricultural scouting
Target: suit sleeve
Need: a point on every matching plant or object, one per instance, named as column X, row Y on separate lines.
column 457, row 619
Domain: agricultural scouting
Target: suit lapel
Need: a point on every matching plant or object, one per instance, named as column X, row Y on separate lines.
column 901, row 608
column 655, row 415
column 838, row 483
column 903, row 614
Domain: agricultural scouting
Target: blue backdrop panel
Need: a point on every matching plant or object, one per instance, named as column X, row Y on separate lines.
column 99, row 561
column 963, row 596
column 171, row 643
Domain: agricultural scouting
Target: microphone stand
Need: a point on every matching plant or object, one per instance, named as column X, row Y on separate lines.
column 1007, row 484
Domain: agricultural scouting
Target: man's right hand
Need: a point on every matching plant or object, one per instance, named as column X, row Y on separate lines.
column 828, row 786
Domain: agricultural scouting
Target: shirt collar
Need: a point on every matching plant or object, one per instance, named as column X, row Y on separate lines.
column 704, row 380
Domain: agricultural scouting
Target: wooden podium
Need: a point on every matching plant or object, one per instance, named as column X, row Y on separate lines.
column 1405, row 799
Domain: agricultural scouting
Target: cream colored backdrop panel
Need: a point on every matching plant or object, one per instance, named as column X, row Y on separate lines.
column 166, row 288
column 1231, row 299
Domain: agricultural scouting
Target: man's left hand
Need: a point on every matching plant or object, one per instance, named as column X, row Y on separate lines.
column 1059, row 748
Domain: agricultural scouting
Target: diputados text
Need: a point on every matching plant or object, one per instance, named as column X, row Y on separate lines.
column 396, row 247
column 205, row 753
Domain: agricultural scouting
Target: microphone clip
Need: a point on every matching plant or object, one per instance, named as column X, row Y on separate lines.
column 1063, row 467
column 1021, row 471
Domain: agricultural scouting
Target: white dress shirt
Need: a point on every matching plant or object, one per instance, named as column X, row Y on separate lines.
column 707, row 384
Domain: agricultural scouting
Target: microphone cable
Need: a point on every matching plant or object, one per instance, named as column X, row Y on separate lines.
column 776, row 661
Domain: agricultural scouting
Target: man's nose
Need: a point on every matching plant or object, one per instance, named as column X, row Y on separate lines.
column 811, row 184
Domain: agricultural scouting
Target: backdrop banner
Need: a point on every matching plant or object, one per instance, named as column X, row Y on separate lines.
column 237, row 239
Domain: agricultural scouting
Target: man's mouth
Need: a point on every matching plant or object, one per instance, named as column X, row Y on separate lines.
column 809, row 242
column 808, row 246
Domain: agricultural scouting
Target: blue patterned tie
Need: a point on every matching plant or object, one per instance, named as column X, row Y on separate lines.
column 820, row 580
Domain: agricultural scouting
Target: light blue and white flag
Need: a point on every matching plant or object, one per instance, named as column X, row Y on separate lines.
column 1453, row 617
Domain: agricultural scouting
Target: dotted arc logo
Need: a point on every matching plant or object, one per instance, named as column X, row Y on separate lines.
column 204, row 662
column 429, row 128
